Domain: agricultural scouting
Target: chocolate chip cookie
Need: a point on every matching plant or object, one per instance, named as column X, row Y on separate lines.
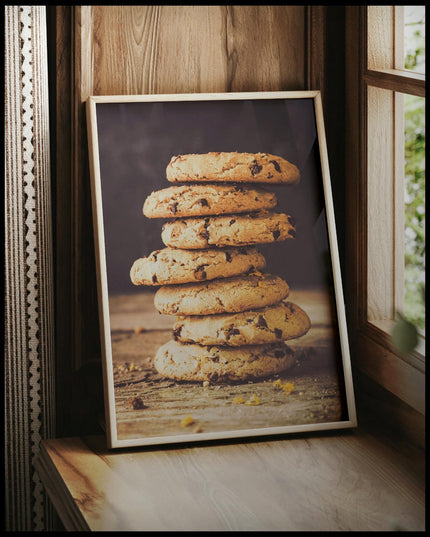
column 238, row 293
column 232, row 230
column 279, row 322
column 232, row 167
column 175, row 266
column 196, row 363
column 203, row 200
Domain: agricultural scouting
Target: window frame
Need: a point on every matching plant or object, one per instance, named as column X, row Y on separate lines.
column 371, row 350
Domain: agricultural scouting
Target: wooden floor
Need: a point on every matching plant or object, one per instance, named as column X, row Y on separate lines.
column 333, row 481
column 137, row 331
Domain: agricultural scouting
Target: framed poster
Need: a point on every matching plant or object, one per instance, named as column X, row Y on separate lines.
column 220, row 293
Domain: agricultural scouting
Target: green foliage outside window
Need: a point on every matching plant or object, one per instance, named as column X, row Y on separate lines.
column 415, row 177
column 415, row 210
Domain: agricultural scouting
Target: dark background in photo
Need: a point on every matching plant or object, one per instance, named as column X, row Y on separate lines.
column 137, row 141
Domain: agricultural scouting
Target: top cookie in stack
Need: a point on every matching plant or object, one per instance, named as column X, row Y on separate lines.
column 232, row 167
column 210, row 270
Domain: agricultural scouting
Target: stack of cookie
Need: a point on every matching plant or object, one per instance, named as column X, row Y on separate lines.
column 232, row 318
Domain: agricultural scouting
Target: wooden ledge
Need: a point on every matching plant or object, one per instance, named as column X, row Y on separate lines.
column 335, row 481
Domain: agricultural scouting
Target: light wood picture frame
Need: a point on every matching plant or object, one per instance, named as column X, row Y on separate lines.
column 131, row 142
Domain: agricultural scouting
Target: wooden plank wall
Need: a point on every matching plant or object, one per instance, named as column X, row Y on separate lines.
column 107, row 50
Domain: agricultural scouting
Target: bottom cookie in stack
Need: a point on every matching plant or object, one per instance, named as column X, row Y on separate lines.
column 199, row 363
column 222, row 335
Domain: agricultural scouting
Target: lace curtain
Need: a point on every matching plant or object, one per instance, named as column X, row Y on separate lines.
column 29, row 319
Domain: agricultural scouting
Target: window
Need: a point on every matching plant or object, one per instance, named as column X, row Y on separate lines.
column 414, row 185
column 386, row 190
column 414, row 302
column 413, row 18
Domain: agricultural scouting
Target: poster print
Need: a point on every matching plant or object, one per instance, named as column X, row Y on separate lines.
column 220, row 298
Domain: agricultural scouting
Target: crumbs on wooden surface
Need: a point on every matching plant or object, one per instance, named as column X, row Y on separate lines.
column 136, row 403
column 187, row 421
column 253, row 400
column 126, row 367
column 287, row 387
column 139, row 329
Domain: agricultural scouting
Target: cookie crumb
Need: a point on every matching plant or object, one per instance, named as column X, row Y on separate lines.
column 187, row 421
column 237, row 400
column 253, row 400
column 205, row 383
column 136, row 403
column 139, row 329
column 288, row 387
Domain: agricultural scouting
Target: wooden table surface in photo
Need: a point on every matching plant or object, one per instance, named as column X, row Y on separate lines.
column 138, row 330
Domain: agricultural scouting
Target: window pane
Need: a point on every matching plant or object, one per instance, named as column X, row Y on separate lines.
column 414, row 38
column 414, row 307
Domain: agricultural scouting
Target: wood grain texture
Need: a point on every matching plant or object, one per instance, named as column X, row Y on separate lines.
column 380, row 218
column 193, row 49
column 396, row 375
column 348, row 482
column 59, row 28
column 317, row 47
column 401, row 81
column 380, row 43
column 356, row 172
column 84, row 284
